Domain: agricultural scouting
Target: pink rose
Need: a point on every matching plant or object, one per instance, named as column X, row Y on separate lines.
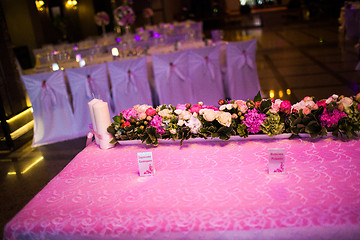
column 308, row 99
column 321, row 103
column 196, row 108
column 210, row 107
column 150, row 111
column 306, row 111
column 181, row 106
column 285, row 106
column 315, row 107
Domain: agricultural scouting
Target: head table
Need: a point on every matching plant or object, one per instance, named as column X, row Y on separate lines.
column 202, row 190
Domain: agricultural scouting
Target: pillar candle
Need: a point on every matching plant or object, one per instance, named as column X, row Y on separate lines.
column 103, row 121
column 91, row 104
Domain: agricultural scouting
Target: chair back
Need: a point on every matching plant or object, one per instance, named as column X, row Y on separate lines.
column 130, row 85
column 53, row 117
column 87, row 83
column 242, row 78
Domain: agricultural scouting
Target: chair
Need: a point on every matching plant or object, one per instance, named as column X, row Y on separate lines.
column 129, row 81
column 87, row 83
column 205, row 75
column 242, row 78
column 53, row 117
column 171, row 77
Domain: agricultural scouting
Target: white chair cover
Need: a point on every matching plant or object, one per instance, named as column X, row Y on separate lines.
column 205, row 75
column 53, row 117
column 87, row 83
column 171, row 77
column 130, row 85
column 242, row 77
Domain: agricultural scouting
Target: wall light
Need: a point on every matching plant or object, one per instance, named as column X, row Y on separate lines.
column 39, row 5
column 71, row 4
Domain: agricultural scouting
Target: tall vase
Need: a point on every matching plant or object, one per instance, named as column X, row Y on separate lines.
column 127, row 36
column 103, row 29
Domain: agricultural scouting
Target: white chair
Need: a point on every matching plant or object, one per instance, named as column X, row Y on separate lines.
column 129, row 81
column 87, row 83
column 53, row 117
column 242, row 78
column 171, row 77
column 205, row 75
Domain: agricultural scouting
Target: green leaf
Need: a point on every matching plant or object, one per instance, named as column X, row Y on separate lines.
column 257, row 97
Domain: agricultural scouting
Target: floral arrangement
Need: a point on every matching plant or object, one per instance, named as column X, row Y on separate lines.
column 102, row 19
column 148, row 13
column 124, row 16
column 337, row 114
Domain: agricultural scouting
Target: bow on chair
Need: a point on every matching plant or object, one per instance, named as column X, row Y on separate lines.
column 130, row 81
column 244, row 59
column 89, row 87
column 173, row 69
column 210, row 67
column 47, row 94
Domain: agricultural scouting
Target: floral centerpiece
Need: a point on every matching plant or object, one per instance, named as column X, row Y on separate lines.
column 124, row 16
column 337, row 114
column 148, row 13
column 102, row 19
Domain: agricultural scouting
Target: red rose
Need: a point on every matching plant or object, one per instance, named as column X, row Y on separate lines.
column 125, row 124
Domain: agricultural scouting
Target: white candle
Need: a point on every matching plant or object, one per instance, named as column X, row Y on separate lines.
column 91, row 104
column 103, row 121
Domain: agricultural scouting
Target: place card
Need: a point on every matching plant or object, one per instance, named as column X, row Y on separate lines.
column 146, row 164
column 276, row 161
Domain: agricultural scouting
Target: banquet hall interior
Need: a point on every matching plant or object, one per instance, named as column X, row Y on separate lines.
column 301, row 50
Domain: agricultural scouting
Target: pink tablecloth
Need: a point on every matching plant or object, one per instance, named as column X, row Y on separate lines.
column 212, row 190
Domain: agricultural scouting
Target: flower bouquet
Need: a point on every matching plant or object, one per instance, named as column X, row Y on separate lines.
column 339, row 115
column 102, row 19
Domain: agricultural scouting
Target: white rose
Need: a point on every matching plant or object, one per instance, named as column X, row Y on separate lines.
column 210, row 114
column 346, row 102
column 185, row 115
column 142, row 108
column 224, row 118
column 195, row 114
column 222, row 107
column 165, row 113
column 334, row 96
column 180, row 123
column 229, row 106
column 173, row 131
column 201, row 103
column 178, row 111
column 329, row 100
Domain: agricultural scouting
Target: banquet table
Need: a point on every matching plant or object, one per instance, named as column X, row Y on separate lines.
column 201, row 190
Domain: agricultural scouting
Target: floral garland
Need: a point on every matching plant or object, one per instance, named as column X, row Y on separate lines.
column 124, row 16
column 337, row 114
column 102, row 19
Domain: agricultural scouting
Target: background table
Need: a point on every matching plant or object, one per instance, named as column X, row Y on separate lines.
column 208, row 190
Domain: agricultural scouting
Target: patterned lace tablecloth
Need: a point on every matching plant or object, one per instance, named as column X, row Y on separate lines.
column 208, row 190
